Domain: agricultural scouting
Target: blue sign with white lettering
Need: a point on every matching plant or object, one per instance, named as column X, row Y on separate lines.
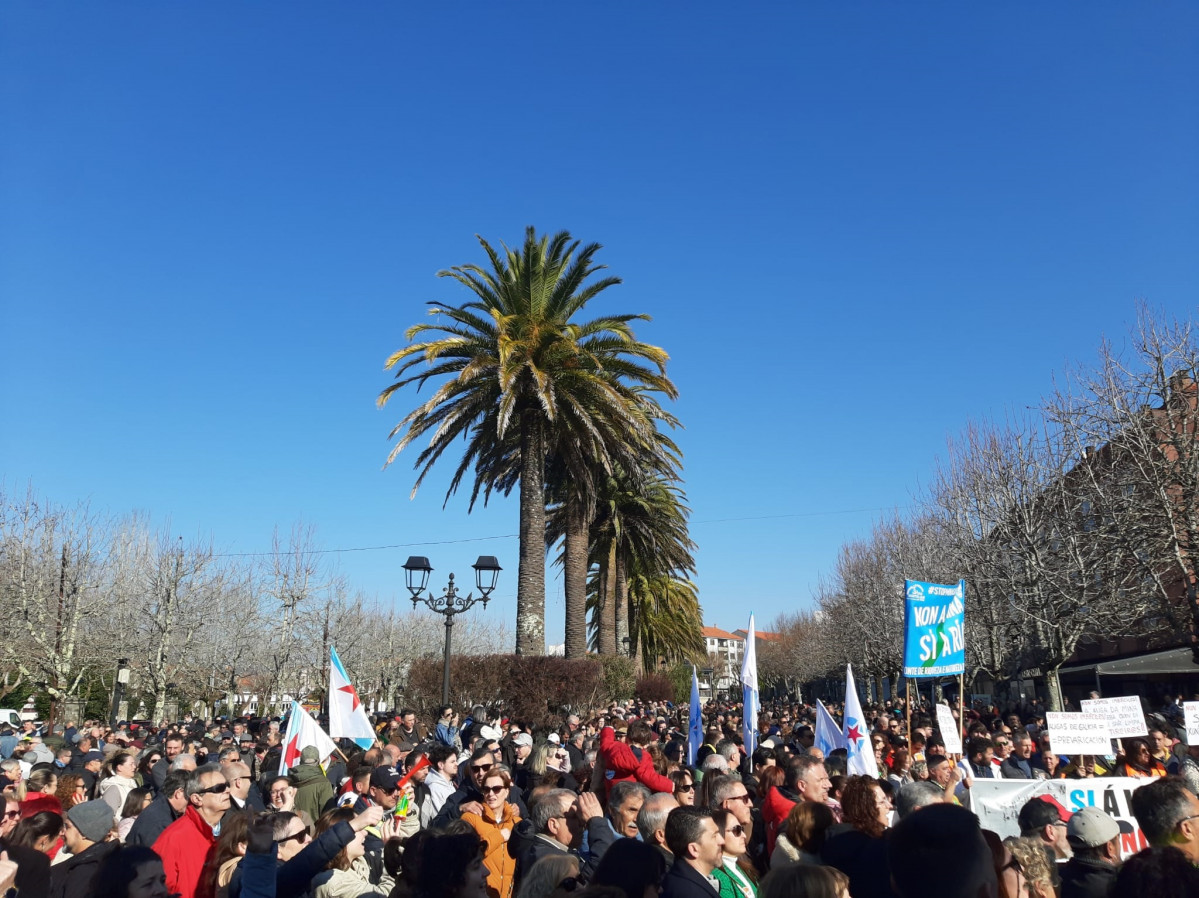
column 934, row 638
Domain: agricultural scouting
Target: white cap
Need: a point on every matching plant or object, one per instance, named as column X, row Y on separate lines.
column 553, row 737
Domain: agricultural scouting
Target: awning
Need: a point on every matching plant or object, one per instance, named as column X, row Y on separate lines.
column 1171, row 661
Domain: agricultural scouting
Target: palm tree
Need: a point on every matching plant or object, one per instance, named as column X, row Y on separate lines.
column 518, row 369
column 641, row 527
column 665, row 619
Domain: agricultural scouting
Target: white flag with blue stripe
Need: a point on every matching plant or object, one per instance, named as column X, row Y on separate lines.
column 749, row 691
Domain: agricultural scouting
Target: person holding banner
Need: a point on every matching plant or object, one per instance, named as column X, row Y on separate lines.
column 1139, row 760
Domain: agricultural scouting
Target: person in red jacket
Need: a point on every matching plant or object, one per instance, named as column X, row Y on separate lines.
column 626, row 760
column 188, row 843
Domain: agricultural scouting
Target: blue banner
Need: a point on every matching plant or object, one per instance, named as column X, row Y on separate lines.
column 934, row 640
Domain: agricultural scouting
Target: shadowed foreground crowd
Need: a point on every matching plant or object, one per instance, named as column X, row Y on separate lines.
column 606, row 806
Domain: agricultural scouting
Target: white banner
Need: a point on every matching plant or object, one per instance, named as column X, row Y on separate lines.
column 1078, row 734
column 949, row 730
column 998, row 802
column 1191, row 710
column 1124, row 715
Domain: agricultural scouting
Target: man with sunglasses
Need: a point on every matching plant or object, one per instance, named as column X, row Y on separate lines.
column 187, row 844
column 469, row 797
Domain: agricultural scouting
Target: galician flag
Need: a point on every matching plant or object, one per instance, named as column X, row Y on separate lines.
column 860, row 760
column 749, row 691
column 347, row 715
column 828, row 735
column 303, row 731
column 695, row 723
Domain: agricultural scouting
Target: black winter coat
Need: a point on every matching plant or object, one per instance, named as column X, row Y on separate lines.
column 76, row 878
column 684, row 881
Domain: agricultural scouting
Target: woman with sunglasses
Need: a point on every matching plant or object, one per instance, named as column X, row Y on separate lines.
column 348, row 873
column 495, row 826
column 1138, row 760
column 684, row 787
column 737, row 876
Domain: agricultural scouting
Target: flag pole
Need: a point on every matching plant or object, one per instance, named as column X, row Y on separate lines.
column 962, row 711
column 907, row 681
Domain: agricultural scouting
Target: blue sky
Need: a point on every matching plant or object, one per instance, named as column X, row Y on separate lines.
column 856, row 227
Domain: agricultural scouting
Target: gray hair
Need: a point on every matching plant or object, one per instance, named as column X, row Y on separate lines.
column 728, row 750
column 919, row 794
column 622, row 790
column 653, row 814
column 549, row 806
column 182, row 759
column 714, row 762
column 721, row 788
column 193, row 786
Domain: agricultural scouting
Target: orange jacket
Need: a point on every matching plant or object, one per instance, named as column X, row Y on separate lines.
column 501, row 866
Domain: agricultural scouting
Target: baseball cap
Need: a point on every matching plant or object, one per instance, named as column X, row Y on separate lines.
column 1036, row 813
column 385, row 778
column 310, row 755
column 522, row 739
column 490, row 734
column 1091, row 827
column 554, row 738
column 92, row 755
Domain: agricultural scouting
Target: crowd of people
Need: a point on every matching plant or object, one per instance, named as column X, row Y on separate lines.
column 606, row 804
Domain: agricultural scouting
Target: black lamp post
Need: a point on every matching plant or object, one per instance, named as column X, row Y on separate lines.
column 449, row 603
column 118, row 691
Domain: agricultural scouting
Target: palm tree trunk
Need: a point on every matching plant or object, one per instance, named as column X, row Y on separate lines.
column 530, row 577
column 622, row 608
column 607, row 608
column 574, row 576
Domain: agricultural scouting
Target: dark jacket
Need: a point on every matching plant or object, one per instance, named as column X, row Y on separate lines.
column 33, row 870
column 151, row 822
column 860, row 857
column 1084, row 877
column 76, row 878
column 528, row 848
column 294, row 878
column 684, row 881
column 1010, row 771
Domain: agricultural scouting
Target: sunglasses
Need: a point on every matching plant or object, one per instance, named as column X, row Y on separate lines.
column 11, row 815
column 690, row 787
column 301, row 836
column 213, row 790
column 481, row 768
column 736, row 830
column 744, row 796
column 495, row 790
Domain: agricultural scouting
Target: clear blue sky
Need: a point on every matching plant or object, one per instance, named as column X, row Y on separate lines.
column 856, row 227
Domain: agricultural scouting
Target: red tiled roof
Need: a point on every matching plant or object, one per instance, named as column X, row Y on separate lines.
column 717, row 633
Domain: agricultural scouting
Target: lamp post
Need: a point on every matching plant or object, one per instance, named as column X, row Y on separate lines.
column 449, row 603
column 118, row 691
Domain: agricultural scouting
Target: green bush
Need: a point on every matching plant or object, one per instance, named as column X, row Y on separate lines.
column 620, row 677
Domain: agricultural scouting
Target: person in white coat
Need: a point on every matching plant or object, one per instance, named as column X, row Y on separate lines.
column 115, row 787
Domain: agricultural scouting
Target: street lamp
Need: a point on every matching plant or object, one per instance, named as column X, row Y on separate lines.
column 118, row 691
column 416, row 577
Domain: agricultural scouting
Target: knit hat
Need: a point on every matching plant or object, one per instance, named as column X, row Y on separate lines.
column 310, row 755
column 93, row 819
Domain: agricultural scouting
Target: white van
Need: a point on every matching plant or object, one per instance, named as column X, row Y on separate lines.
column 12, row 718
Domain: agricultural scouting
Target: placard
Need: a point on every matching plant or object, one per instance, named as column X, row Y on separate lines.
column 1123, row 713
column 1078, row 734
column 934, row 642
column 949, row 730
column 1191, row 711
column 997, row 803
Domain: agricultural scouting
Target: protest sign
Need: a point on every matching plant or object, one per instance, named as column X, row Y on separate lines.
column 997, row 803
column 949, row 730
column 1078, row 734
column 934, row 641
column 1123, row 713
column 1191, row 711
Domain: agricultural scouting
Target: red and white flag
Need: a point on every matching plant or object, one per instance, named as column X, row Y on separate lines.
column 302, row 732
column 347, row 714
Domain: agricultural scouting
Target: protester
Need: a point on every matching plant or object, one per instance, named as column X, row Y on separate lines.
column 736, row 874
column 556, row 824
column 1095, row 840
column 805, row 881
column 40, row 831
column 495, row 826
column 802, row 837
column 684, row 787
column 117, row 780
column 651, row 823
column 190, row 842
column 451, row 867
column 1040, row 876
column 165, row 809
column 348, row 875
column 1159, row 872
column 632, row 867
column 624, row 804
column 136, row 801
column 1138, row 760
column 85, row 831
column 230, row 849
column 313, row 791
column 857, row 847
column 547, row 874
column 1041, row 820
column 939, row 851
column 697, row 844
column 443, row 763
column 1168, row 814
